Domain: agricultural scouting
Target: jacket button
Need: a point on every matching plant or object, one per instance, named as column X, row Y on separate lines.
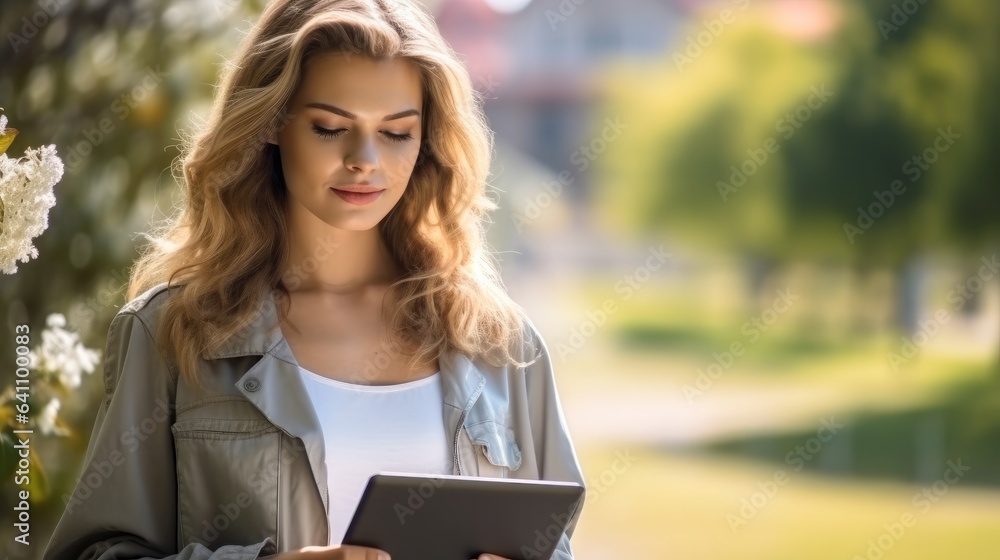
column 252, row 384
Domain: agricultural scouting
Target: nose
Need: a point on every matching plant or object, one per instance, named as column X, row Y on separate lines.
column 362, row 154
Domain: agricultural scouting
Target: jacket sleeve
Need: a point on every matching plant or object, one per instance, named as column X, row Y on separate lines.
column 125, row 503
column 557, row 458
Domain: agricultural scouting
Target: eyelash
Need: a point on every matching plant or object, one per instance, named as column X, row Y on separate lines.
column 327, row 133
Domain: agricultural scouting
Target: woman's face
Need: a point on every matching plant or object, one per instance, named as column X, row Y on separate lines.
column 353, row 121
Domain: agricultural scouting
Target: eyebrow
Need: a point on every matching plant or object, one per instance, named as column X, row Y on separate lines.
column 352, row 116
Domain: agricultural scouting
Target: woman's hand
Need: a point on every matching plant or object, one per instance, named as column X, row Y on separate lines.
column 349, row 552
column 338, row 552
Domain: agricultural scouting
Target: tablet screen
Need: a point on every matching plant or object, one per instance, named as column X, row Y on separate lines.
column 448, row 517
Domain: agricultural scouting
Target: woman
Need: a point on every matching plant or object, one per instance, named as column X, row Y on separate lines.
column 323, row 308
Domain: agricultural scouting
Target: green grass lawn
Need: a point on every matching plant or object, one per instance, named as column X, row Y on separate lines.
column 670, row 504
column 676, row 507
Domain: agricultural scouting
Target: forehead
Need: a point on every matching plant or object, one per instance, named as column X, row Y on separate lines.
column 361, row 84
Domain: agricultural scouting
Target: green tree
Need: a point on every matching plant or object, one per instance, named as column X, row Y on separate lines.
column 110, row 84
column 767, row 143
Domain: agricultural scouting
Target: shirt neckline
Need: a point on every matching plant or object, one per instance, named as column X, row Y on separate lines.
column 371, row 388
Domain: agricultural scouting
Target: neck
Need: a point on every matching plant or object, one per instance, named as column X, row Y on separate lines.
column 323, row 258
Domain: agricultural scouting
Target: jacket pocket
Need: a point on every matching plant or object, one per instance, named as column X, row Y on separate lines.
column 227, row 480
column 496, row 449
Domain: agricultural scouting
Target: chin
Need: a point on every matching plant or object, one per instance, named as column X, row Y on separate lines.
column 343, row 216
column 355, row 223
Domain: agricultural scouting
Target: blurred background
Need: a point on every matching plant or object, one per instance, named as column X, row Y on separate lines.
column 759, row 238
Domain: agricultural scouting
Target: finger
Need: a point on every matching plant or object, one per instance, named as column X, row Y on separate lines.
column 351, row 552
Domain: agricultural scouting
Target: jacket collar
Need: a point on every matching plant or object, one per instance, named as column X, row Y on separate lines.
column 462, row 379
column 462, row 385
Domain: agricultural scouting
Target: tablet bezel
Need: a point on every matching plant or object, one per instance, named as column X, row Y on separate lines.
column 569, row 494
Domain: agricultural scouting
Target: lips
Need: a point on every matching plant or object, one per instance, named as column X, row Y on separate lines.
column 357, row 188
column 358, row 198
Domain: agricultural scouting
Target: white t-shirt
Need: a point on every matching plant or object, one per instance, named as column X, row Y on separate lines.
column 371, row 428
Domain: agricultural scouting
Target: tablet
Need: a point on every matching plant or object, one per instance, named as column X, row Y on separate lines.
column 450, row 517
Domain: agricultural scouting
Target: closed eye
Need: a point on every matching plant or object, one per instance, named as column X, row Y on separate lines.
column 333, row 133
column 326, row 132
column 397, row 137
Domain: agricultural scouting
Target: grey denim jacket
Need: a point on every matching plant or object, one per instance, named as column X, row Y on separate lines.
column 236, row 469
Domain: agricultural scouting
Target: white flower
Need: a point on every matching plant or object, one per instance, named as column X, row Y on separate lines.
column 47, row 421
column 62, row 354
column 56, row 320
column 25, row 197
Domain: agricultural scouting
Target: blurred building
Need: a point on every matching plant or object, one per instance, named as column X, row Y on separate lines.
column 538, row 66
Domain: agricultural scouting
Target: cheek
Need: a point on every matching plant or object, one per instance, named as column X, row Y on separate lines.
column 308, row 163
column 399, row 165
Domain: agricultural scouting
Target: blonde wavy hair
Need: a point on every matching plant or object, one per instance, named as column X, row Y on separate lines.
column 226, row 249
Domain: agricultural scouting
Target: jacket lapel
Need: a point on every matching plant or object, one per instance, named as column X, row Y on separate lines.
column 462, row 384
column 275, row 387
